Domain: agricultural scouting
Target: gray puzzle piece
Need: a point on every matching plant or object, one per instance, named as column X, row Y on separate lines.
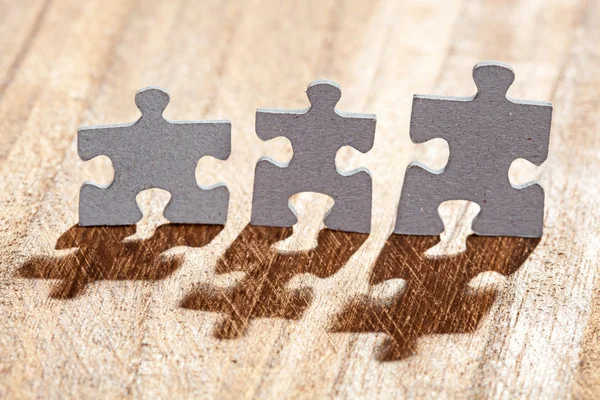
column 154, row 153
column 316, row 134
column 485, row 133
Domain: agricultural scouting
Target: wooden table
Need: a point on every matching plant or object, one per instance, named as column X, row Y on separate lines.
column 169, row 311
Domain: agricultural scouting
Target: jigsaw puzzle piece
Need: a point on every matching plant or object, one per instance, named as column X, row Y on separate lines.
column 154, row 153
column 316, row 134
column 485, row 134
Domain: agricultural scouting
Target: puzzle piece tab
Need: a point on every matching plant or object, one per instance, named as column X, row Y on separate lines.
column 316, row 134
column 154, row 153
column 485, row 134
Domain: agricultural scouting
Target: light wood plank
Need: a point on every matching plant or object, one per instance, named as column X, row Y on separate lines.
column 100, row 324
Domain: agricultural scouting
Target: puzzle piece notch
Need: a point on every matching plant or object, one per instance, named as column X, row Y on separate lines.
column 485, row 134
column 154, row 152
column 316, row 135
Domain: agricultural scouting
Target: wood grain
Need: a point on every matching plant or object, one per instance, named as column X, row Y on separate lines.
column 167, row 311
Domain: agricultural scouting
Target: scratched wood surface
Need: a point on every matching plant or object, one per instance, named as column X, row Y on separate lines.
column 167, row 311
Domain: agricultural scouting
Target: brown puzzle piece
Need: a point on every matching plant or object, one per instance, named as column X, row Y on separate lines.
column 262, row 292
column 436, row 299
column 102, row 254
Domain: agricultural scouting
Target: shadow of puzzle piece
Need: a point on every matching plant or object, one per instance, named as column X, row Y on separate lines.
column 262, row 293
column 102, row 254
column 437, row 299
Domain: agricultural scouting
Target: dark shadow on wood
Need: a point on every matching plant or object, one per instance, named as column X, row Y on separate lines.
column 436, row 299
column 262, row 292
column 102, row 254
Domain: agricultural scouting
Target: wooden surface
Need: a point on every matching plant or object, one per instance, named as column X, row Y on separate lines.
column 202, row 312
